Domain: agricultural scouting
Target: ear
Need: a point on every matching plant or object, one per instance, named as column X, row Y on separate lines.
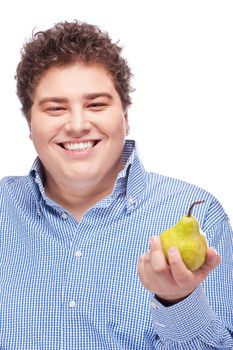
column 29, row 127
column 127, row 128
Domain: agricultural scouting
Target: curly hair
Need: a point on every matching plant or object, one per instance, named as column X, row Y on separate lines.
column 66, row 43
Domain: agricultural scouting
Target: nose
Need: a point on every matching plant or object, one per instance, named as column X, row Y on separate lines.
column 77, row 122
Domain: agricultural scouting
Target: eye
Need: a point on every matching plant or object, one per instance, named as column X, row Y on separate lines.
column 55, row 108
column 97, row 106
column 55, row 111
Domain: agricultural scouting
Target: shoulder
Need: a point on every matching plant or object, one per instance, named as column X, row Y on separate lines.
column 13, row 186
column 165, row 186
column 12, row 181
column 175, row 196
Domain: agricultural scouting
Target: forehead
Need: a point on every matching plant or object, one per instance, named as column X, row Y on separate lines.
column 75, row 77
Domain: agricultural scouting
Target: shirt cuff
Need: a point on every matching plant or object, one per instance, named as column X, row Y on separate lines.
column 184, row 320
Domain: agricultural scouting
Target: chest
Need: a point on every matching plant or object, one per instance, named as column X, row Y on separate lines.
column 66, row 280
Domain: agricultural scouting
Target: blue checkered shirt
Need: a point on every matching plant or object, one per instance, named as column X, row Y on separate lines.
column 72, row 285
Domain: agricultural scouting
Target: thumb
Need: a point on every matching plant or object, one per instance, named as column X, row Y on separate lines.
column 213, row 259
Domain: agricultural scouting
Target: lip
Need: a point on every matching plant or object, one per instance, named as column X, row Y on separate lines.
column 77, row 154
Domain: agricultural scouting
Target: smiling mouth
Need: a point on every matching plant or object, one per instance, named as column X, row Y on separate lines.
column 79, row 146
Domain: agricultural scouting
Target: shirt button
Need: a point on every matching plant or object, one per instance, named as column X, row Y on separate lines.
column 64, row 215
column 154, row 305
column 78, row 254
column 72, row 304
column 130, row 200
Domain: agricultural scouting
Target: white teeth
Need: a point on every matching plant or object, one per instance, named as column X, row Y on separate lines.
column 82, row 146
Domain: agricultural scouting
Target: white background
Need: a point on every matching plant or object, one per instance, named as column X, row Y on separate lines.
column 181, row 54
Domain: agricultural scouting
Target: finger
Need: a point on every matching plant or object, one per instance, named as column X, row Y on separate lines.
column 141, row 271
column 157, row 257
column 213, row 259
column 140, row 266
column 146, row 257
column 179, row 271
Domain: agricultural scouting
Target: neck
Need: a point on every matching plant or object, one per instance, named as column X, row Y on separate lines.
column 77, row 201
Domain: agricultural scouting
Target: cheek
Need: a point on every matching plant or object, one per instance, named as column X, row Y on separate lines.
column 37, row 134
column 117, row 127
column 42, row 129
column 39, row 137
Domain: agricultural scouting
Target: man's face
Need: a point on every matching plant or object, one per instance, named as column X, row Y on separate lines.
column 78, row 126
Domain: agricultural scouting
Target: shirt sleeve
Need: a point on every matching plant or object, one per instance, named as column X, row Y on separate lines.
column 190, row 324
column 203, row 320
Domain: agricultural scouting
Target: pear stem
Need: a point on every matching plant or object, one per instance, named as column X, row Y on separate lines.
column 191, row 208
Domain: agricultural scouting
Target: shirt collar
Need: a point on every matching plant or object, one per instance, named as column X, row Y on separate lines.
column 131, row 179
column 135, row 174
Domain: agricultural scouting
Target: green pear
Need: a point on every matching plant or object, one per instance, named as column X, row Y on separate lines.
column 186, row 237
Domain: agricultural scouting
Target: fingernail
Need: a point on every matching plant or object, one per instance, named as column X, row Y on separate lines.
column 173, row 251
column 153, row 240
column 215, row 251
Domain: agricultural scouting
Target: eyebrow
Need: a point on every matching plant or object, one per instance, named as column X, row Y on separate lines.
column 91, row 96
column 98, row 94
column 52, row 99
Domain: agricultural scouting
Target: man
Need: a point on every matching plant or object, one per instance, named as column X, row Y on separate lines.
column 81, row 262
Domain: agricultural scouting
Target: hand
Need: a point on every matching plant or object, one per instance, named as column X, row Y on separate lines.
column 172, row 282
